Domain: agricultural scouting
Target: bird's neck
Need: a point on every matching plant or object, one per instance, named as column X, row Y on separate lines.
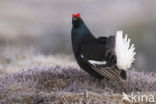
column 80, row 36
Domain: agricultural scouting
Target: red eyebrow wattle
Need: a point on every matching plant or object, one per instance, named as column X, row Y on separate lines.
column 73, row 15
column 78, row 15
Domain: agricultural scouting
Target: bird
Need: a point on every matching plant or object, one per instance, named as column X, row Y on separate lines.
column 102, row 57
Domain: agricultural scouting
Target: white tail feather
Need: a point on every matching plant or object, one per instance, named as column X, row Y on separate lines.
column 124, row 51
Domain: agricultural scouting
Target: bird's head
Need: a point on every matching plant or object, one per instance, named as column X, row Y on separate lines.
column 76, row 20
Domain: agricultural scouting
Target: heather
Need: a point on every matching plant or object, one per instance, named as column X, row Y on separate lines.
column 69, row 84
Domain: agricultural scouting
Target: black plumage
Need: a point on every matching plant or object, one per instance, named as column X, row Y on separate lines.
column 88, row 49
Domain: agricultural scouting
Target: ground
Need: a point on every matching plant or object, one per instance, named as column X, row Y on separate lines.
column 30, row 78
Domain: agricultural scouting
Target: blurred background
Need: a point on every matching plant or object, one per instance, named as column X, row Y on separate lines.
column 42, row 29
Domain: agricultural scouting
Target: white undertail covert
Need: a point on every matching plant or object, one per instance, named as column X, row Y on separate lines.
column 124, row 51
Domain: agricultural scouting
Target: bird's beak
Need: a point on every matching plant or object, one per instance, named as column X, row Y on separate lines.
column 74, row 19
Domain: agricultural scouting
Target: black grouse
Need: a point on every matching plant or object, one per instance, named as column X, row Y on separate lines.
column 103, row 57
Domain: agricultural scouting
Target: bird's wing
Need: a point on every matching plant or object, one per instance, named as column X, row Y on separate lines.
column 103, row 69
column 101, row 58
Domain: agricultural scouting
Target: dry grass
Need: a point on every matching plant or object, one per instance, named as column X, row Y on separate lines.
column 59, row 80
column 66, row 85
column 14, row 58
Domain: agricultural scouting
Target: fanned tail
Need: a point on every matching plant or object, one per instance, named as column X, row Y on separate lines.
column 124, row 51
